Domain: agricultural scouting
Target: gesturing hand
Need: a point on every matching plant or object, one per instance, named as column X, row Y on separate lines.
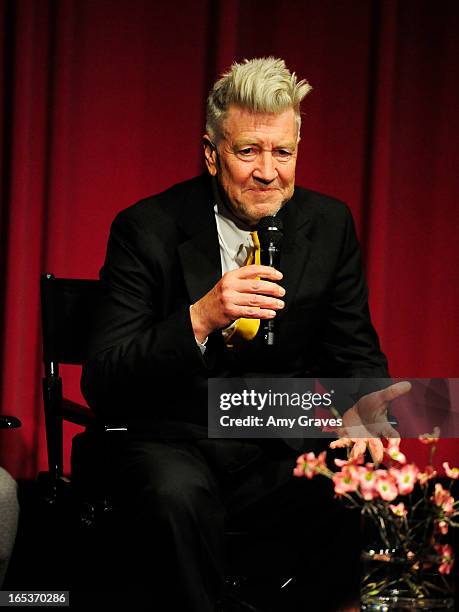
column 250, row 292
column 366, row 423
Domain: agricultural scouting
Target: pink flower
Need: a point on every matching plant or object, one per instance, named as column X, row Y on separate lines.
column 307, row 464
column 445, row 552
column 405, row 478
column 451, row 472
column 441, row 527
column 427, row 475
column 430, row 438
column 440, row 494
column 443, row 499
column 399, row 509
column 395, row 454
column 386, row 487
column 367, row 480
column 346, row 481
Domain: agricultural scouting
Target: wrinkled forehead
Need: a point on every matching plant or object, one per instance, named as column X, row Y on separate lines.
column 244, row 124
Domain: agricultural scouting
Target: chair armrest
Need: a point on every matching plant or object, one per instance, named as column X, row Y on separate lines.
column 82, row 415
column 77, row 413
column 9, row 422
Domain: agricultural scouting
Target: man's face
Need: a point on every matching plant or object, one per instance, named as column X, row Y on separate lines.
column 255, row 161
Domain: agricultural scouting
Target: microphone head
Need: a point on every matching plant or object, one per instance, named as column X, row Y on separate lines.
column 270, row 230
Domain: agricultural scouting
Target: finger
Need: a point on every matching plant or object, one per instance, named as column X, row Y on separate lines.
column 376, row 449
column 341, row 443
column 257, row 286
column 255, row 270
column 248, row 312
column 251, row 301
column 394, row 391
column 359, row 448
column 393, row 441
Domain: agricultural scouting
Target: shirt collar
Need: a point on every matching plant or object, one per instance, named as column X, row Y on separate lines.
column 236, row 242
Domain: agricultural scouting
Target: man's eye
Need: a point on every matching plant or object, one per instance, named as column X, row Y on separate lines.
column 284, row 153
column 246, row 151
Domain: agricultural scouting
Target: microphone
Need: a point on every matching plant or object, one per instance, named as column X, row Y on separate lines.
column 270, row 234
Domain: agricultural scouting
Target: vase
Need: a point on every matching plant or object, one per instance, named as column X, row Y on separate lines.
column 394, row 580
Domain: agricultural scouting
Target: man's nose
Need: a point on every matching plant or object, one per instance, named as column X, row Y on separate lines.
column 265, row 169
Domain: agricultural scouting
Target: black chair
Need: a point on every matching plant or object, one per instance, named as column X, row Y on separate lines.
column 77, row 505
column 67, row 313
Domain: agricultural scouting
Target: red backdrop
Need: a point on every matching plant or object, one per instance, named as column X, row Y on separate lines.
column 103, row 103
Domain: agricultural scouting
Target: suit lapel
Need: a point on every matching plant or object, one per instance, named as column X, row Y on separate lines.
column 200, row 253
column 296, row 246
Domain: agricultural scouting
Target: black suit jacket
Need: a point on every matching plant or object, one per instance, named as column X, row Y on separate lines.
column 163, row 255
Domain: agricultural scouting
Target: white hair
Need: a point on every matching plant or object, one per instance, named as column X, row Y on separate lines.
column 261, row 85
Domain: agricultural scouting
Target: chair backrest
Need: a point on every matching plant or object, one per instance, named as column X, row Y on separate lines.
column 68, row 306
column 67, row 312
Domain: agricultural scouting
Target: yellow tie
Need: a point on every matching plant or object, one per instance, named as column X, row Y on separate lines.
column 246, row 329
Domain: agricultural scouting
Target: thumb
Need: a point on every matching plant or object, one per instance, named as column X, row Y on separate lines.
column 395, row 390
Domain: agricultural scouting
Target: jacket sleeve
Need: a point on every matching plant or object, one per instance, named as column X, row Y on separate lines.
column 133, row 341
column 349, row 345
column 349, row 352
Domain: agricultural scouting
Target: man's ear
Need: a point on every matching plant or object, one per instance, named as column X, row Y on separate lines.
column 210, row 155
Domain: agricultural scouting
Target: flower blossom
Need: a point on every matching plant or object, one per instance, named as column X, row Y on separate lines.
column 367, row 481
column 446, row 558
column 394, row 453
column 451, row 472
column 307, row 464
column 441, row 527
column 428, row 474
column 443, row 499
column 398, row 509
column 430, row 438
column 385, row 486
column 347, row 480
column 405, row 478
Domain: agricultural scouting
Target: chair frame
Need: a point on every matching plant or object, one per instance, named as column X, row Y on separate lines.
column 57, row 408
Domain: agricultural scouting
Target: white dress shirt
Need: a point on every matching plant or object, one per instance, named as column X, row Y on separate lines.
column 235, row 246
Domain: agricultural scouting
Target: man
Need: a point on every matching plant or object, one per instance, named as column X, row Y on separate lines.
column 176, row 286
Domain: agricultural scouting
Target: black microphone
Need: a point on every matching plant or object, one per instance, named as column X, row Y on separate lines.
column 270, row 234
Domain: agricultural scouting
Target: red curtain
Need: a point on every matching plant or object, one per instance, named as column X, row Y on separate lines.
column 103, row 103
